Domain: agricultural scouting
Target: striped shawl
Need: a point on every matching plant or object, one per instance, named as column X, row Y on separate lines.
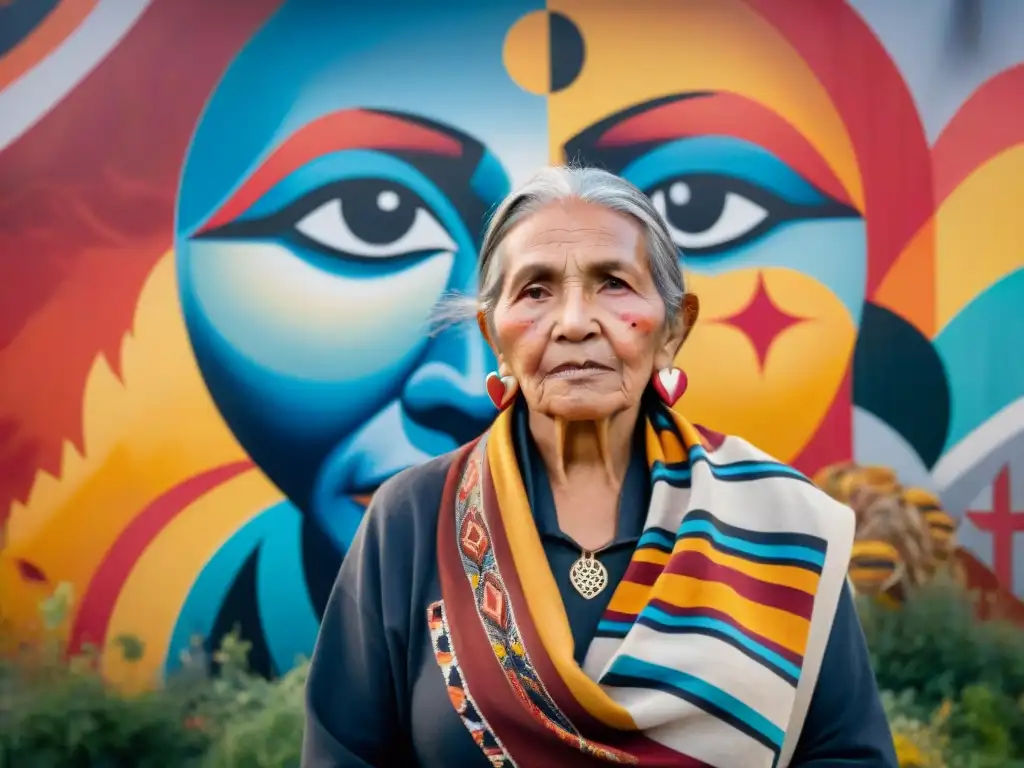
column 710, row 647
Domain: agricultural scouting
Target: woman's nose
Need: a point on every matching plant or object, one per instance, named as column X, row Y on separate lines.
column 576, row 320
column 447, row 393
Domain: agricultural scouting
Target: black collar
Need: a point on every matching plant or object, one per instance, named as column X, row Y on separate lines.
column 633, row 501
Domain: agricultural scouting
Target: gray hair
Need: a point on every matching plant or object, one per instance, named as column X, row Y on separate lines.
column 555, row 184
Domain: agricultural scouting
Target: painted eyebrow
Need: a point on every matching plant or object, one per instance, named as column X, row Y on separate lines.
column 347, row 129
column 727, row 114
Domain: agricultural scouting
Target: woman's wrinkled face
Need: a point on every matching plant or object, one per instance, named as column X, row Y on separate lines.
column 579, row 321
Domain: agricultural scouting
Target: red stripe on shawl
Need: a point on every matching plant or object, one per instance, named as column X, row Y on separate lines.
column 649, row 753
column 699, row 566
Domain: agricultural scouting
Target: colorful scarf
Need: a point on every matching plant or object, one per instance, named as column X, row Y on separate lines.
column 710, row 648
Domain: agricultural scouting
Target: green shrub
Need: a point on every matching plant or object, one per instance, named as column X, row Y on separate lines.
column 934, row 647
column 921, row 741
column 59, row 712
column 255, row 722
column 74, row 720
column 986, row 730
column 269, row 735
column 961, row 700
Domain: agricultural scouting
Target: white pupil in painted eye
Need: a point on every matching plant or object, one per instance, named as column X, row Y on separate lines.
column 679, row 193
column 388, row 200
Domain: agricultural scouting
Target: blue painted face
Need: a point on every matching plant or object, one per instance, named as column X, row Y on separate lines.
column 335, row 190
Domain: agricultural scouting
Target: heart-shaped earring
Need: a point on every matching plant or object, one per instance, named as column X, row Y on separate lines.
column 501, row 389
column 670, row 384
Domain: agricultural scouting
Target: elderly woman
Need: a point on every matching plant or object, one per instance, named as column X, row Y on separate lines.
column 595, row 580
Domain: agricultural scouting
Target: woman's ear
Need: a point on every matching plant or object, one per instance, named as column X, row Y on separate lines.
column 677, row 331
column 481, row 321
column 690, row 312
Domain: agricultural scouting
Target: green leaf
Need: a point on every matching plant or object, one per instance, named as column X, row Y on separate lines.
column 55, row 609
column 132, row 648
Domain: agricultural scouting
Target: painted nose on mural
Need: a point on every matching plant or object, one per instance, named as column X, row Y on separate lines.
column 447, row 393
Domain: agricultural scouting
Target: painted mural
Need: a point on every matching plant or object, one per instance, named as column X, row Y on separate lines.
column 224, row 228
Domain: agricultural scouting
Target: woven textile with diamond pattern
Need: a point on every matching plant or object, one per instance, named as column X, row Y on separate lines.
column 711, row 645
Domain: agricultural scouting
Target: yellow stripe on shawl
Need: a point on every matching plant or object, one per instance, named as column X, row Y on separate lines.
column 665, row 447
column 539, row 587
column 782, row 575
column 651, row 555
column 785, row 575
column 654, row 452
column 780, row 626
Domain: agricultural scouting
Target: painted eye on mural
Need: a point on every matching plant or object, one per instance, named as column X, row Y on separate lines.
column 708, row 213
column 369, row 219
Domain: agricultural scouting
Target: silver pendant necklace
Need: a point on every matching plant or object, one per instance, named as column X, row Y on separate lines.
column 588, row 575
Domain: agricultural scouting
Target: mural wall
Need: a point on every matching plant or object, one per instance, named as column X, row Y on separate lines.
column 224, row 228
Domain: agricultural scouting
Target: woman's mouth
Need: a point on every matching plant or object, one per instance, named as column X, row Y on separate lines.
column 583, row 370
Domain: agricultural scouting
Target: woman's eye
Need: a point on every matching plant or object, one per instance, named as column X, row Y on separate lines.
column 614, row 284
column 710, row 213
column 370, row 218
column 534, row 292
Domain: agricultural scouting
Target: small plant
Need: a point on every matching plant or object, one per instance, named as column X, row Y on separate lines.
column 254, row 722
column 921, row 742
column 986, row 730
column 263, row 732
column 59, row 711
column 934, row 645
column 971, row 671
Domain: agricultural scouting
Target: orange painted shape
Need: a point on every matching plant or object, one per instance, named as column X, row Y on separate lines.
column 909, row 288
column 44, row 39
column 527, row 52
column 979, row 230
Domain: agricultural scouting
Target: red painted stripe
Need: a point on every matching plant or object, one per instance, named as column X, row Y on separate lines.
column 880, row 116
column 349, row 129
column 831, row 442
column 93, row 617
column 89, row 192
column 729, row 114
column 991, row 120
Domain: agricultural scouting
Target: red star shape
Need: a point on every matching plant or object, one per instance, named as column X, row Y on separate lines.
column 762, row 321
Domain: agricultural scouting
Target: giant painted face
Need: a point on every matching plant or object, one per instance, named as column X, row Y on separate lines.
column 338, row 182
